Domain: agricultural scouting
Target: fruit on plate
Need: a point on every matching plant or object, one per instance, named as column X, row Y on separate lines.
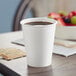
column 72, row 13
column 63, row 18
column 66, row 19
column 54, row 15
column 62, row 13
column 73, row 20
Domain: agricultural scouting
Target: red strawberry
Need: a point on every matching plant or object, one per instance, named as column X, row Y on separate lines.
column 71, row 14
column 74, row 13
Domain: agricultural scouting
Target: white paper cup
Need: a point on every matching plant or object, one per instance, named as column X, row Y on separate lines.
column 39, row 41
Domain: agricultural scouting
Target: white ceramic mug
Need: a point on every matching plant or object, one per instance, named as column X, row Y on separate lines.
column 39, row 41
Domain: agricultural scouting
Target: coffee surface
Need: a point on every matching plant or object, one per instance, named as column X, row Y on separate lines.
column 39, row 23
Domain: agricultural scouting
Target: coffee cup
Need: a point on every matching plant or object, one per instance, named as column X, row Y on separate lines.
column 39, row 40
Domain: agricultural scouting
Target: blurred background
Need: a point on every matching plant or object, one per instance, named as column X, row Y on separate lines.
column 12, row 11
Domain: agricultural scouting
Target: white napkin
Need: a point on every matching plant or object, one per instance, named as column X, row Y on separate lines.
column 65, row 43
column 61, row 50
column 64, row 47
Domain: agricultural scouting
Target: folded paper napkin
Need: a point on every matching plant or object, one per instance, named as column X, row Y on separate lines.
column 64, row 47
column 65, row 43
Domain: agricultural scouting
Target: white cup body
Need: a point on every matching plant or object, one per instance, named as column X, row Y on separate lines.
column 39, row 41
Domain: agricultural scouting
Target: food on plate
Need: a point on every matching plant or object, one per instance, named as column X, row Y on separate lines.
column 62, row 13
column 63, row 18
column 72, row 13
column 54, row 15
column 66, row 19
column 73, row 20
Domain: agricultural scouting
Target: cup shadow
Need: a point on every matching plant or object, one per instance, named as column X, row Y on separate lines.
column 40, row 71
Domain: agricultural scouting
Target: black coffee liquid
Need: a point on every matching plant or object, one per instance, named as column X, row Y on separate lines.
column 39, row 23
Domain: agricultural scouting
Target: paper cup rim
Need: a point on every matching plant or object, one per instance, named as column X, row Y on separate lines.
column 24, row 21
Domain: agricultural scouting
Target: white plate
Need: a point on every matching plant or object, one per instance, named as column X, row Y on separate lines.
column 66, row 32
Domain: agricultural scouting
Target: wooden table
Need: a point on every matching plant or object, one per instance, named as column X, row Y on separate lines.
column 61, row 66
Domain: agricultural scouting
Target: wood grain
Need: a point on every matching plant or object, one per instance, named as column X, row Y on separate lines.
column 61, row 66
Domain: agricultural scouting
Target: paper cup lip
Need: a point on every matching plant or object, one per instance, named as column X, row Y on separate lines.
column 24, row 21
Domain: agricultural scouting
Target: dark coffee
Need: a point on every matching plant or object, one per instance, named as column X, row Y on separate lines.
column 39, row 23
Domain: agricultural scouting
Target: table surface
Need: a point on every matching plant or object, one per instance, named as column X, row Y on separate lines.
column 61, row 66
